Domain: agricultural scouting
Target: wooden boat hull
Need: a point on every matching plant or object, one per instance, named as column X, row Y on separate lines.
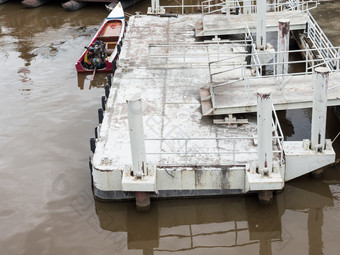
column 110, row 33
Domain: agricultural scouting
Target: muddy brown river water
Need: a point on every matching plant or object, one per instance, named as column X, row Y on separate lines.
column 47, row 116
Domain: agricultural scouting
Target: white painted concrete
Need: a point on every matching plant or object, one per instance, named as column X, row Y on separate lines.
column 261, row 25
column 319, row 115
column 300, row 161
column 136, row 131
column 283, row 50
column 264, row 132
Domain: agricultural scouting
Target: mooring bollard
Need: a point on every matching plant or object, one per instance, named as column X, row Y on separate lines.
column 261, row 21
column 264, row 131
column 136, row 130
column 283, row 51
column 319, row 115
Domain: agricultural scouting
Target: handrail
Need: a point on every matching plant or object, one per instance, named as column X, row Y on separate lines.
column 185, row 149
column 183, row 53
column 278, row 133
column 321, row 42
column 308, row 62
column 210, row 6
column 273, row 7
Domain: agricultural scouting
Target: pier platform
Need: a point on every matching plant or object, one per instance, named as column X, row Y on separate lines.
column 166, row 65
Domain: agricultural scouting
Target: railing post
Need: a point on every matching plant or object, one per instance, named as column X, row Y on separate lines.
column 186, row 152
column 338, row 60
column 264, row 131
column 307, row 60
column 319, row 115
column 183, row 53
column 149, row 54
column 248, row 90
column 155, row 7
column 136, row 130
column 234, row 151
column 246, row 6
column 227, row 10
column 283, row 51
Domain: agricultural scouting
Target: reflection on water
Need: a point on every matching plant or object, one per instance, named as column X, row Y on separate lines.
column 238, row 225
column 28, row 26
column 84, row 80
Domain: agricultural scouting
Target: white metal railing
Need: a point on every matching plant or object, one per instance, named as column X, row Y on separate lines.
column 189, row 148
column 278, row 134
column 211, row 6
column 181, row 51
column 309, row 64
column 221, row 6
column 322, row 43
column 300, row 6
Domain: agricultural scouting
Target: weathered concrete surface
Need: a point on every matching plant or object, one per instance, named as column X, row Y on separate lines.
column 172, row 109
column 169, row 85
column 298, row 93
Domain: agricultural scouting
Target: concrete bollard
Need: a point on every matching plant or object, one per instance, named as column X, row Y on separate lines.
column 136, row 130
column 264, row 132
column 319, row 115
column 261, row 21
column 283, row 48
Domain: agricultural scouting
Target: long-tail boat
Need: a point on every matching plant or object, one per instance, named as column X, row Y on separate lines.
column 106, row 44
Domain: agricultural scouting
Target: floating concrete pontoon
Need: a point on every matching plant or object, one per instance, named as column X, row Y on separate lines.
column 160, row 144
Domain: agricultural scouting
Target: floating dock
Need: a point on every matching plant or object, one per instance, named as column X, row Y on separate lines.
column 172, row 126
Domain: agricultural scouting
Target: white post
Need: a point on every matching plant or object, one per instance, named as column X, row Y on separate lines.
column 261, row 24
column 155, row 6
column 227, row 10
column 136, row 130
column 264, row 131
column 320, row 87
column 247, row 6
column 283, row 50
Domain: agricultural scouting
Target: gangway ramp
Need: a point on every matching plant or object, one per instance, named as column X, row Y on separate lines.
column 240, row 96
